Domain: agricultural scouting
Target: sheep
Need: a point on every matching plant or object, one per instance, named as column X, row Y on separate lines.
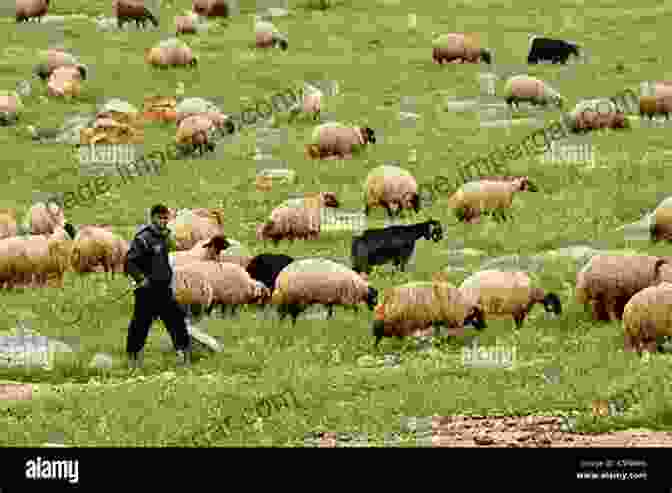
column 647, row 318
column 236, row 254
column 505, row 293
column 459, row 46
column 302, row 220
column 10, row 107
column 95, row 246
column 391, row 187
column 525, row 88
column 186, row 24
column 650, row 106
column 334, row 140
column 171, row 52
column 267, row 36
column 194, row 132
column 212, row 8
column 587, row 115
column 555, row 50
column 133, row 10
column 29, row 9
column 41, row 220
column 191, row 286
column 267, row 266
column 190, row 228
column 295, row 289
column 661, row 222
column 607, row 282
column 495, row 197
column 8, row 226
column 43, row 255
column 394, row 243
column 11, row 250
column 204, row 250
column 311, row 103
column 53, row 59
column 66, row 81
column 413, row 308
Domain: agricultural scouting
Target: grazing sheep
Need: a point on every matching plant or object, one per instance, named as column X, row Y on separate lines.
column 8, row 226
column 413, row 308
column 186, row 24
column 94, row 247
column 590, row 115
column 525, row 88
column 10, row 107
column 607, row 282
column 204, row 250
column 194, row 133
column 647, row 318
column 190, row 227
column 212, row 8
column 133, row 10
column 66, row 81
column 311, row 104
column 298, row 220
column 29, row 9
column 336, row 141
column 650, row 106
column 394, row 243
column 42, row 256
column 461, row 47
column 171, row 53
column 191, row 286
column 494, row 197
column 505, row 293
column 42, row 221
column 267, row 36
column 10, row 254
column 267, row 266
column 53, row 59
column 553, row 50
column 295, row 289
column 393, row 188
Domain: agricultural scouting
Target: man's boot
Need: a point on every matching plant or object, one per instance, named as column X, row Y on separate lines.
column 135, row 360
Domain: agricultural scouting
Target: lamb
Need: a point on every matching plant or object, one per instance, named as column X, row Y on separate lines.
column 30, row 9
column 495, row 197
column 334, row 140
column 607, row 282
column 53, row 59
column 391, row 187
column 650, row 106
column 95, row 246
column 525, row 88
column 505, row 293
column 10, row 107
column 647, row 318
column 212, row 8
column 394, row 243
column 133, row 10
column 589, row 115
column 267, row 36
column 66, row 81
column 460, row 47
column 267, row 266
column 42, row 221
column 323, row 282
column 302, row 220
column 8, row 226
column 554, row 50
column 204, row 250
column 191, row 227
column 170, row 53
column 413, row 308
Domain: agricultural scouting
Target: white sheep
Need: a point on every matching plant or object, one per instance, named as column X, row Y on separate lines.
column 506, row 293
column 333, row 140
column 647, row 318
column 171, row 53
column 496, row 197
column 393, row 188
column 30, row 9
column 525, row 88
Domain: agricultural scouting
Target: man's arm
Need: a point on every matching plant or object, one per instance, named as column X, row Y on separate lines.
column 136, row 252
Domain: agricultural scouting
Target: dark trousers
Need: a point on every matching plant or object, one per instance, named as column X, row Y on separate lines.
column 152, row 302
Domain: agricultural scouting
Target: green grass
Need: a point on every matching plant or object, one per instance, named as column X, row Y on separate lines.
column 319, row 359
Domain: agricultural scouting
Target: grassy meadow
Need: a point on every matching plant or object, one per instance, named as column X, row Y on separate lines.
column 323, row 361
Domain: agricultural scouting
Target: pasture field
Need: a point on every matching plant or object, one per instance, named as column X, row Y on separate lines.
column 326, row 362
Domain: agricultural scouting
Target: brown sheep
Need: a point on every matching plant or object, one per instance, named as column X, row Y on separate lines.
column 496, row 197
column 133, row 10
column 29, row 9
column 65, row 81
column 211, row 8
column 93, row 247
column 43, row 256
column 589, row 115
column 535, row 91
column 185, row 24
column 647, row 318
column 170, row 53
column 458, row 46
column 193, row 133
column 650, row 106
column 336, row 141
column 607, row 282
column 205, row 250
column 661, row 221
column 391, row 187
column 190, row 228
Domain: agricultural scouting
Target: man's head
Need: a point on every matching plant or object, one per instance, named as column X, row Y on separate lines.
column 160, row 217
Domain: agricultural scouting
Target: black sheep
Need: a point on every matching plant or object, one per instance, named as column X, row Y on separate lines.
column 554, row 50
column 266, row 267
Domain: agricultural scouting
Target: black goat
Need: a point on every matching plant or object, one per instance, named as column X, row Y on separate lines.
column 267, row 266
column 554, row 50
column 394, row 243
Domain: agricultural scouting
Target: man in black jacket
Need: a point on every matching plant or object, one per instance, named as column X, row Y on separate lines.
column 148, row 264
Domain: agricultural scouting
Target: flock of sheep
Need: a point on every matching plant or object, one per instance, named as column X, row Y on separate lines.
column 636, row 289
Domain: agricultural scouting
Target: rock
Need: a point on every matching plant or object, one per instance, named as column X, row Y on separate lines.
column 102, row 361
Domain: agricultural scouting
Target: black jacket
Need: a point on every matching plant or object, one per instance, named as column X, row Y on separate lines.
column 148, row 257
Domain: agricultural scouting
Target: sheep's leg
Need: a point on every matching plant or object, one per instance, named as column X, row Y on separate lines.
column 612, row 311
column 389, row 210
column 330, row 311
column 519, row 318
column 234, row 310
column 629, row 343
